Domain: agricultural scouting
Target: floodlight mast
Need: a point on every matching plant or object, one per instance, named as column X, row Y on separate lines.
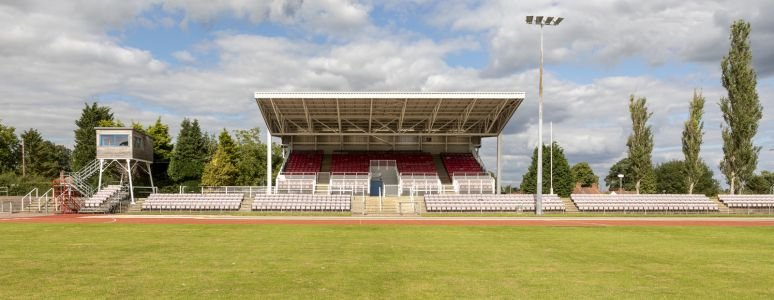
column 540, row 21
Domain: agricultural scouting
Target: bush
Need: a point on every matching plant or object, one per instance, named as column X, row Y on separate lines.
column 19, row 186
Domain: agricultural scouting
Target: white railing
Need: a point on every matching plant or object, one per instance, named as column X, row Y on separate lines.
column 43, row 199
column 419, row 182
column 250, row 191
column 29, row 197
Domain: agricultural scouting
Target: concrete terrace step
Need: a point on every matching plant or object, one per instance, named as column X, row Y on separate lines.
column 569, row 206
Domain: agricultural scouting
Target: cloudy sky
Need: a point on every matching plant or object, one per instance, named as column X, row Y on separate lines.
column 204, row 59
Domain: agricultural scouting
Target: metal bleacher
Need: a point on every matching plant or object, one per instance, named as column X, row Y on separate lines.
column 490, row 203
column 643, row 203
column 301, row 203
column 193, row 202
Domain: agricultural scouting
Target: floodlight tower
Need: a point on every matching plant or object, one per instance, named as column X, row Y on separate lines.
column 541, row 21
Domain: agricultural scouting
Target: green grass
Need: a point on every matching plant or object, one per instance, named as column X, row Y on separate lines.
column 341, row 262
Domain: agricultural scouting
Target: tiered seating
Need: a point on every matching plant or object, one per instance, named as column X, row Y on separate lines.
column 643, row 203
column 103, row 195
column 747, row 201
column 302, row 202
column 303, row 162
column 297, row 183
column 422, row 183
column 460, row 163
column 473, row 183
column 353, row 183
column 490, row 202
column 357, row 162
column 193, row 202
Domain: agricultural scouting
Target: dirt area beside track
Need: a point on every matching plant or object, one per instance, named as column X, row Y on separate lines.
column 565, row 221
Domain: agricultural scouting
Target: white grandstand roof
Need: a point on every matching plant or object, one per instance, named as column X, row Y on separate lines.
column 388, row 113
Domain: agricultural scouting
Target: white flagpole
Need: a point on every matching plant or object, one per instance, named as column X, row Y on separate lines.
column 552, row 156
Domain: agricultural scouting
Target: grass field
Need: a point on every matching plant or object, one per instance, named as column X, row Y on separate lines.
column 336, row 261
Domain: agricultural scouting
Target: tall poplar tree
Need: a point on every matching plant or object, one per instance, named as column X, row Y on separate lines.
column 693, row 166
column 85, row 136
column 741, row 109
column 189, row 156
column 640, row 142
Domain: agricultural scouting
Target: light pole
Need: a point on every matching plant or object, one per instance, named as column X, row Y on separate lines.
column 541, row 21
column 620, row 182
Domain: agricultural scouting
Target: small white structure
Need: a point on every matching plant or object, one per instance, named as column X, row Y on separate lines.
column 127, row 149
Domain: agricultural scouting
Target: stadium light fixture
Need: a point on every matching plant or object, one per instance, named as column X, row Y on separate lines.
column 541, row 21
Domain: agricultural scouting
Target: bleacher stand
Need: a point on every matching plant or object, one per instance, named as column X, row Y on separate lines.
column 103, row 195
column 296, row 183
column 349, row 183
column 303, row 162
column 490, row 203
column 473, row 183
column 460, row 163
column 359, row 162
column 302, row 203
column 419, row 183
column 747, row 201
column 643, row 203
column 193, row 202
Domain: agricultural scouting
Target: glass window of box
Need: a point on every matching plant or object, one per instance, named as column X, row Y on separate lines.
column 114, row 140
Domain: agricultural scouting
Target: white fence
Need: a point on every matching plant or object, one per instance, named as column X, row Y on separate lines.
column 473, row 183
column 349, row 183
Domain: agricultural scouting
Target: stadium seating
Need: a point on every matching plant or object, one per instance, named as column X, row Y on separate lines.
column 460, row 163
column 358, row 162
column 643, row 203
column 193, row 202
column 490, row 202
column 421, row 183
column 747, row 201
column 302, row 203
column 349, row 183
column 296, row 183
column 303, row 162
column 473, row 183
column 103, row 195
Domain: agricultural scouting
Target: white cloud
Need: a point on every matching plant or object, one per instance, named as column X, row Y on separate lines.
column 56, row 57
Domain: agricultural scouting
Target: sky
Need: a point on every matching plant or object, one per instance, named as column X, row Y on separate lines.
column 205, row 59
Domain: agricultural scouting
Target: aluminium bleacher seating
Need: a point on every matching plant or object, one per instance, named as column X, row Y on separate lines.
column 490, row 203
column 643, row 203
column 193, row 202
column 747, row 201
column 101, row 196
column 289, row 202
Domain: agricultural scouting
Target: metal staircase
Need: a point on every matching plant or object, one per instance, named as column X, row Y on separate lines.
column 80, row 179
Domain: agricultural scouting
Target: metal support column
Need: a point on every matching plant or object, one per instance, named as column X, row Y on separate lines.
column 101, row 166
column 268, row 162
column 129, row 175
column 150, row 175
column 499, row 164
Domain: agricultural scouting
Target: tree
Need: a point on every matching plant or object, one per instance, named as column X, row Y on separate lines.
column 692, row 139
column 188, row 157
column 760, row 184
column 563, row 182
column 623, row 166
column 162, row 151
column 9, row 149
column 85, row 136
column 251, row 158
column 583, row 174
column 640, row 142
column 43, row 157
column 219, row 171
column 741, row 109
column 227, row 143
column 670, row 179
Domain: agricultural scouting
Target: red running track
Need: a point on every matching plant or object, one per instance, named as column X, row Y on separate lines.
column 564, row 221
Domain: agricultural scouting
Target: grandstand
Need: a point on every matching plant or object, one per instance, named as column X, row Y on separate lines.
column 385, row 144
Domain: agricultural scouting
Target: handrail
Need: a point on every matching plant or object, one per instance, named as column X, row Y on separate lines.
column 28, row 197
column 45, row 195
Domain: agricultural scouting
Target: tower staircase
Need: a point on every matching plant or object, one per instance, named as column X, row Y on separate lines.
column 80, row 179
